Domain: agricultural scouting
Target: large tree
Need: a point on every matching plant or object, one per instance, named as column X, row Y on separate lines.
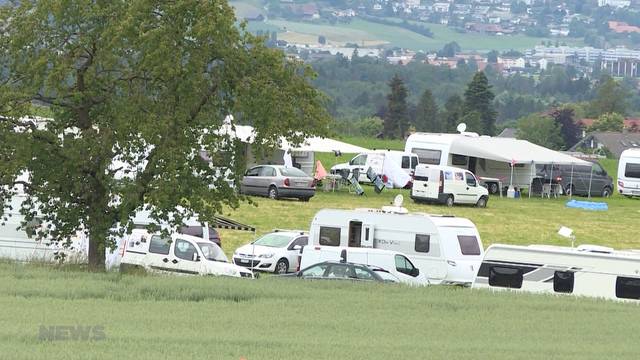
column 426, row 118
column 396, row 117
column 541, row 130
column 570, row 131
column 479, row 98
column 138, row 91
column 453, row 113
column 608, row 122
column 611, row 97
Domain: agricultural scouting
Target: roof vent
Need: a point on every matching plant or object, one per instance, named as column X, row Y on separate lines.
column 595, row 249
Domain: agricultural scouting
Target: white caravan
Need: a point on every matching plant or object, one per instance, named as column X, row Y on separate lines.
column 21, row 244
column 447, row 185
column 392, row 261
column 587, row 270
column 491, row 159
column 377, row 161
column 629, row 173
column 446, row 249
column 177, row 254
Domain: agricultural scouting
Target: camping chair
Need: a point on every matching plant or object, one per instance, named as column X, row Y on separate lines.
column 549, row 190
column 354, row 185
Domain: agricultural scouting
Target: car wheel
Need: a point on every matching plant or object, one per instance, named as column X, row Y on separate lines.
column 282, row 266
column 449, row 201
column 273, row 192
column 493, row 188
column 482, row 202
column 606, row 192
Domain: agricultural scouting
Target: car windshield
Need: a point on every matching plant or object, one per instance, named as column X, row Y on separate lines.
column 212, row 252
column 273, row 240
column 292, row 172
column 386, row 276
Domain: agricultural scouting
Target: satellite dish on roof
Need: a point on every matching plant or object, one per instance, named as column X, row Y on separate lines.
column 462, row 127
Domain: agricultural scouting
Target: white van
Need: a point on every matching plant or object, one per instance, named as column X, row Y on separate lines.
column 446, row 249
column 392, row 261
column 587, row 270
column 447, row 185
column 376, row 161
column 629, row 173
column 177, row 254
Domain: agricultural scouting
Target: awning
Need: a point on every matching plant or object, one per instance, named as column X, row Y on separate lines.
column 246, row 134
column 510, row 151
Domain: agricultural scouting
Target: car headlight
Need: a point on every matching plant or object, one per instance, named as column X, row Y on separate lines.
column 266, row 256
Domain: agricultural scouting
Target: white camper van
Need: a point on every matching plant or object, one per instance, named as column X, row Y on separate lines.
column 447, row 185
column 446, row 249
column 21, row 243
column 376, row 160
column 392, row 261
column 587, row 270
column 629, row 173
column 493, row 160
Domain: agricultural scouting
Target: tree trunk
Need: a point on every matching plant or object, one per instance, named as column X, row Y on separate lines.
column 96, row 253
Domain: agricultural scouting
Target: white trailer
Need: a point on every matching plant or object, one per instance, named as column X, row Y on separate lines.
column 629, row 173
column 587, row 270
column 447, row 249
column 494, row 160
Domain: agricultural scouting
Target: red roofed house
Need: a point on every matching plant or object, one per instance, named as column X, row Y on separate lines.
column 622, row 27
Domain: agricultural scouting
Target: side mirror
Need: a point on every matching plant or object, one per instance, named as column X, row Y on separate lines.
column 415, row 272
column 195, row 257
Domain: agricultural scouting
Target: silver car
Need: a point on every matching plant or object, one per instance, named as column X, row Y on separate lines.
column 277, row 181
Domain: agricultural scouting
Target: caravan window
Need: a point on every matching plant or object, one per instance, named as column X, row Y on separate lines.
column 414, row 162
column 563, row 281
column 458, row 159
column 428, row 156
column 632, row 170
column 468, row 245
column 628, row 288
column 422, row 243
column 159, row 245
column 329, row 236
column 503, row 276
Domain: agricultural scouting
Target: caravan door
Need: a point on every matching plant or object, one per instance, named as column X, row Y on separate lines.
column 366, row 240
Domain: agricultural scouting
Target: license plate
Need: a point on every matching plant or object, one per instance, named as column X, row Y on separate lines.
column 244, row 261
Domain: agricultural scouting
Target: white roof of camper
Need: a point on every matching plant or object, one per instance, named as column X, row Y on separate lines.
column 246, row 134
column 502, row 149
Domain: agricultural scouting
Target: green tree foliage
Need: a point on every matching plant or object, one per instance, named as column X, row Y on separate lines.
column 370, row 127
column 449, row 50
column 492, row 57
column 396, row 119
column 479, row 98
column 426, row 118
column 611, row 98
column 608, row 122
column 453, row 113
column 564, row 116
column 541, row 130
column 138, row 90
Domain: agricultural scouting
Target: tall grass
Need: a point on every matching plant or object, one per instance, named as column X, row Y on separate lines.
column 154, row 317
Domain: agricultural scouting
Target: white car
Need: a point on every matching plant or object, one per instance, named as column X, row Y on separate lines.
column 178, row 254
column 276, row 252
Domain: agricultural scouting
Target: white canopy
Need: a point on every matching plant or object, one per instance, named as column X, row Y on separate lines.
column 316, row 144
column 510, row 150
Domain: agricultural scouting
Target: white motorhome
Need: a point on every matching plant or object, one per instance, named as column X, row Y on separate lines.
column 446, row 249
column 629, row 173
column 491, row 159
column 378, row 161
column 21, row 243
column 394, row 262
column 448, row 185
column 587, row 270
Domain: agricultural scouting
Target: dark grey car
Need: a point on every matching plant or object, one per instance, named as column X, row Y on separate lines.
column 601, row 182
column 277, row 181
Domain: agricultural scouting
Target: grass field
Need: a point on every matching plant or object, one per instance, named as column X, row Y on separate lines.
column 152, row 317
column 158, row 317
column 359, row 31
